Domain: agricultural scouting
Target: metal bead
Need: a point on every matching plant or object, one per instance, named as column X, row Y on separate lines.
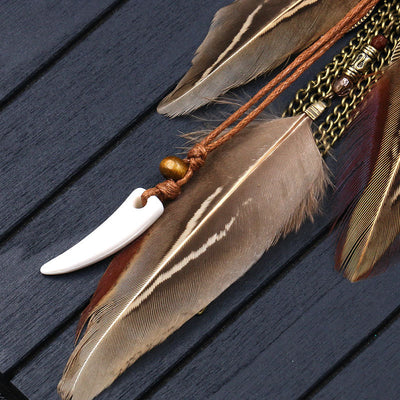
column 342, row 86
column 172, row 167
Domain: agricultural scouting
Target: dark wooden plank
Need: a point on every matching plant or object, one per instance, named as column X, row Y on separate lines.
column 33, row 31
column 41, row 377
column 91, row 95
column 373, row 375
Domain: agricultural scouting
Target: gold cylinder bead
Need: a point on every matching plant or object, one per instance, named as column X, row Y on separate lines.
column 172, row 167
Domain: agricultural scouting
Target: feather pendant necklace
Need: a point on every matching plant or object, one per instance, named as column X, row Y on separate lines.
column 101, row 244
column 258, row 187
column 209, row 237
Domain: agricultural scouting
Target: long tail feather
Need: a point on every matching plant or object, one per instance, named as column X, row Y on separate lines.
column 262, row 184
column 374, row 221
column 249, row 38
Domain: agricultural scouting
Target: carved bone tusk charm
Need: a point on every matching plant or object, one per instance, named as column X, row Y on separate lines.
column 128, row 222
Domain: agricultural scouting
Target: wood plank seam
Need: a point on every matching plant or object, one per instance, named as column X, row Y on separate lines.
column 37, row 349
column 364, row 343
column 59, row 54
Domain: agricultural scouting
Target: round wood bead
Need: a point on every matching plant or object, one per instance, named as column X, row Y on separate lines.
column 379, row 42
column 172, row 167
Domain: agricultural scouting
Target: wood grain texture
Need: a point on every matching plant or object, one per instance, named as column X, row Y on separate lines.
column 374, row 374
column 89, row 96
column 33, row 31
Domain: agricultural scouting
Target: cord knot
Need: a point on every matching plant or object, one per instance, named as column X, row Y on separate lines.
column 197, row 156
column 167, row 190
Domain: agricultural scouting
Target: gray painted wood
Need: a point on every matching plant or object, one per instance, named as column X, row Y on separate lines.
column 94, row 92
column 373, row 375
column 33, row 31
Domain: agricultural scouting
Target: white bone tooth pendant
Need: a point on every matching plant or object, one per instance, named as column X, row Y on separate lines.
column 128, row 222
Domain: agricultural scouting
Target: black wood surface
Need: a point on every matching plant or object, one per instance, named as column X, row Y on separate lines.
column 78, row 133
column 374, row 371
column 91, row 96
column 33, row 33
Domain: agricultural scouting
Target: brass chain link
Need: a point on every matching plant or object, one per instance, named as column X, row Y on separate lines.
column 335, row 124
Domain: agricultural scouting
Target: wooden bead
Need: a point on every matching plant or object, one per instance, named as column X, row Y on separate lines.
column 173, row 168
column 379, row 42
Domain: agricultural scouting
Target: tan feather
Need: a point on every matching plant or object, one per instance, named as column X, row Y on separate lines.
column 249, row 38
column 375, row 220
column 256, row 188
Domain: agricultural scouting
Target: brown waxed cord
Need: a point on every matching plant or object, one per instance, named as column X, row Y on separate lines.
column 170, row 189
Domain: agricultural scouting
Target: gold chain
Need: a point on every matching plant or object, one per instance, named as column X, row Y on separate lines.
column 335, row 124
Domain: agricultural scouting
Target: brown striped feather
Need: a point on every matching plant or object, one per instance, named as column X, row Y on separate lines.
column 249, row 38
column 374, row 222
column 260, row 185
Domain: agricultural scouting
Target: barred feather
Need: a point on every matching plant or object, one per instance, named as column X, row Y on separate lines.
column 249, row 38
column 262, row 184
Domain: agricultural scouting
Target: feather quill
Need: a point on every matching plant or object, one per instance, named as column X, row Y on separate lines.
column 260, row 186
column 249, row 38
column 374, row 218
